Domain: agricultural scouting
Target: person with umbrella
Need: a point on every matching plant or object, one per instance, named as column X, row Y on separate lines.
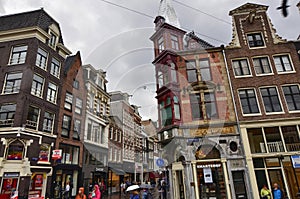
column 146, row 193
column 134, row 193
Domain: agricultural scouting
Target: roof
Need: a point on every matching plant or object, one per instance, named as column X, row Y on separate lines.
column 248, row 7
column 204, row 44
column 70, row 61
column 39, row 18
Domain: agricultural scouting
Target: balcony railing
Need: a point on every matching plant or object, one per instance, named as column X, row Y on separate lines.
column 31, row 124
column 272, row 147
column 7, row 123
column 293, row 147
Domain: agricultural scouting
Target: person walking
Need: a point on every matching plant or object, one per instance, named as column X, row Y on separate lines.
column 265, row 193
column 277, row 193
column 67, row 190
column 80, row 194
column 97, row 192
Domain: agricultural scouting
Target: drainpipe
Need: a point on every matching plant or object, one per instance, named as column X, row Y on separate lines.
column 237, row 119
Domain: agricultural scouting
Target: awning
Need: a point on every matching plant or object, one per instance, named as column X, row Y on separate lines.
column 119, row 172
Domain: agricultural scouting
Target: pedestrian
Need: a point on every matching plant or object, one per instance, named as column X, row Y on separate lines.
column 265, row 193
column 135, row 194
column 164, row 190
column 67, row 190
column 97, row 192
column 277, row 193
column 80, row 194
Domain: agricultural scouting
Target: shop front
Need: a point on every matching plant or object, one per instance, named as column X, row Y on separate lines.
column 9, row 185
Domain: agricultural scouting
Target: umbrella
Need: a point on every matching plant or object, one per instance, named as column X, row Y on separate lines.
column 145, row 186
column 132, row 187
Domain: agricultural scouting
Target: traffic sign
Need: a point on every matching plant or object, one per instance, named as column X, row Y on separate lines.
column 160, row 162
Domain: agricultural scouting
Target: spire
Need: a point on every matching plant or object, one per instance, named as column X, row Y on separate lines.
column 167, row 11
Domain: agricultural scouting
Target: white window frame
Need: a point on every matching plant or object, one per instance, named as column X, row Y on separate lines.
column 262, row 74
column 16, row 83
column 249, row 68
column 290, row 111
column 262, row 38
column 21, row 55
column 48, row 128
column 41, row 59
column 290, row 60
column 256, row 98
column 279, row 98
column 55, row 67
column 35, row 91
column 52, row 92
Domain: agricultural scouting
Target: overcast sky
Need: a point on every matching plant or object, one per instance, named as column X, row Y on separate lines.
column 117, row 40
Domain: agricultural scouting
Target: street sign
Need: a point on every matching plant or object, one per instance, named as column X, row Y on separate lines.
column 296, row 161
column 160, row 162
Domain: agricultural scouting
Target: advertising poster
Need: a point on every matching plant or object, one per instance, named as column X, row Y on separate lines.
column 207, row 175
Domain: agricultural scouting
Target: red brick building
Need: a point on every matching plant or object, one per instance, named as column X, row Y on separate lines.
column 264, row 74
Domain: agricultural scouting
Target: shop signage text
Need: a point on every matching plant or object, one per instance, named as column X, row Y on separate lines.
column 208, row 166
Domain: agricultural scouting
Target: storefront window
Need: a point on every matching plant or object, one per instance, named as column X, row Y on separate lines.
column 291, row 138
column 9, row 184
column 36, row 185
column 44, row 153
column 211, row 180
column 70, row 154
column 15, row 151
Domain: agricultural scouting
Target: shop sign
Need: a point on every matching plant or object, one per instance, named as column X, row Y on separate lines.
column 296, row 161
column 11, row 175
column 56, row 154
column 99, row 169
column 208, row 166
column 207, row 175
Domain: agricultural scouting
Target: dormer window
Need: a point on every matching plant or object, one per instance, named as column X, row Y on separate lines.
column 52, row 40
column 255, row 40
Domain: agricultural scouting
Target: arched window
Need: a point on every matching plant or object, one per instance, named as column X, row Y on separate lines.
column 15, row 150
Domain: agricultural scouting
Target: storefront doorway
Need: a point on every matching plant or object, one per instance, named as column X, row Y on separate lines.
column 211, row 182
column 9, row 185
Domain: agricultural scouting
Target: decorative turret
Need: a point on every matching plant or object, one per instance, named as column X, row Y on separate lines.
column 167, row 11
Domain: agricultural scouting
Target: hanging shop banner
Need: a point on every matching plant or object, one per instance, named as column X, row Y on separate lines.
column 296, row 161
column 207, row 175
column 56, row 154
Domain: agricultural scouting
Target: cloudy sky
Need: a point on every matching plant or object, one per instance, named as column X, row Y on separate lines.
column 114, row 34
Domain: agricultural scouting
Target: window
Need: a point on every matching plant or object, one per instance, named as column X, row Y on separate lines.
column 163, row 76
column 161, row 46
column 37, row 86
column 205, row 70
column 248, row 101
column 68, row 101
column 52, row 92
column 70, row 154
column 176, row 108
column 210, row 105
column 77, row 128
column 41, row 59
column 173, row 72
column 166, row 112
column 292, row 97
column 33, row 117
column 18, row 55
column 78, row 106
column 44, row 154
column 76, row 84
column 66, row 126
column 191, row 71
column 198, row 111
column 48, row 122
column 15, row 151
column 241, row 67
column 195, row 101
column 283, row 63
column 52, row 40
column 12, row 83
column 270, row 99
column 255, row 40
column 55, row 67
column 7, row 114
column 262, row 65
column 174, row 42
